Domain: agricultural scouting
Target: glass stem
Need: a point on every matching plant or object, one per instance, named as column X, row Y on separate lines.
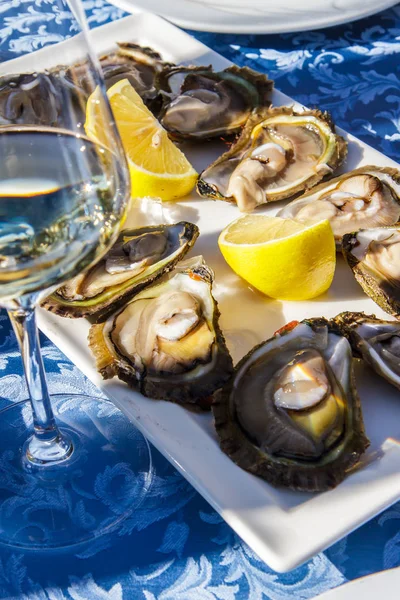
column 47, row 445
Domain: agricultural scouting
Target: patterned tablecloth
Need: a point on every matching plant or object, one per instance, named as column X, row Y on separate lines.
column 177, row 547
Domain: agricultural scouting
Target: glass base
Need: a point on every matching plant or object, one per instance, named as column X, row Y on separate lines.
column 75, row 500
column 43, row 452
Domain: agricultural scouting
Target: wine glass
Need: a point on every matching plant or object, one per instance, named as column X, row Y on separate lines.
column 63, row 199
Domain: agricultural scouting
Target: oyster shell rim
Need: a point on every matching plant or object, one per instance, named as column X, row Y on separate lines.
column 366, row 281
column 348, row 321
column 256, row 118
column 152, row 54
column 63, row 308
column 307, row 478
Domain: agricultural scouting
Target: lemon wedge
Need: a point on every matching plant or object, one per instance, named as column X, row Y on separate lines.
column 157, row 167
column 282, row 258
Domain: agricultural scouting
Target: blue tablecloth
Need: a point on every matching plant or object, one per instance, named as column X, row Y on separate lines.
column 178, row 548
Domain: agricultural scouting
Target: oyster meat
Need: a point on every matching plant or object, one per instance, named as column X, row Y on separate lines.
column 279, row 154
column 199, row 103
column 363, row 198
column 166, row 342
column 35, row 98
column 291, row 413
column 137, row 259
column 374, row 257
column 376, row 341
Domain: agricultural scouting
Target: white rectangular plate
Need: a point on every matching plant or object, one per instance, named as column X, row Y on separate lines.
column 283, row 527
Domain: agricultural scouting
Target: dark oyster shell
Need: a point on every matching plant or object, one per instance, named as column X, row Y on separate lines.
column 207, row 104
column 373, row 255
column 138, row 64
column 309, row 446
column 37, row 98
column 30, row 98
column 374, row 340
column 187, row 369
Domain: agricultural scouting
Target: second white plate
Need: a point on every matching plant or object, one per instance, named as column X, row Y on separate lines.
column 258, row 16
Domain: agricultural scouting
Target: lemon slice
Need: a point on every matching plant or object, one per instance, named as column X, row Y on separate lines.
column 157, row 167
column 282, row 258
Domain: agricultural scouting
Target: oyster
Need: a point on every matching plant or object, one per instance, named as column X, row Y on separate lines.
column 291, row 413
column 138, row 64
column 374, row 257
column 279, row 154
column 31, row 98
column 366, row 197
column 137, row 259
column 377, row 342
column 166, row 342
column 35, row 98
column 200, row 104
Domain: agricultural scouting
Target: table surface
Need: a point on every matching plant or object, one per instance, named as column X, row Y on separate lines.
column 178, row 547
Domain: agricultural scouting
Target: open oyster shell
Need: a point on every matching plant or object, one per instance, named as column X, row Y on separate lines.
column 137, row 259
column 291, row 413
column 376, row 341
column 31, row 98
column 199, row 103
column 366, row 197
column 138, row 64
column 34, row 98
column 279, row 154
column 166, row 342
column 374, row 257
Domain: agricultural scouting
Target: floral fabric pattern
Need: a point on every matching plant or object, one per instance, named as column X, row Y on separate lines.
column 175, row 547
